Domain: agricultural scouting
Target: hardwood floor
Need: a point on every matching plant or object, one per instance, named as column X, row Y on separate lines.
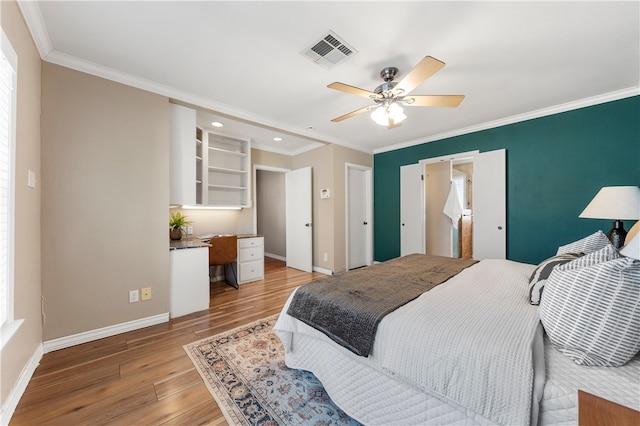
column 144, row 377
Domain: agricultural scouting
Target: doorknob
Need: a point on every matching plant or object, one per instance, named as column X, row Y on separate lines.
column 364, row 223
column 307, row 225
column 500, row 228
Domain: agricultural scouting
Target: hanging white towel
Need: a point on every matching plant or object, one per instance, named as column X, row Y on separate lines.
column 453, row 207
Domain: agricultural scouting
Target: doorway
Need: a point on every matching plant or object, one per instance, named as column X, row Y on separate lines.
column 277, row 193
column 359, row 216
column 479, row 182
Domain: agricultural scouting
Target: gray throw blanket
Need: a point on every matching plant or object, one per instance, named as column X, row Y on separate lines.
column 348, row 307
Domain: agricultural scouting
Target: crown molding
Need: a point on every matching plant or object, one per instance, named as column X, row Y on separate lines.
column 569, row 106
column 33, row 18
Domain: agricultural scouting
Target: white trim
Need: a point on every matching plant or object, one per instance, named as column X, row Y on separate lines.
column 33, row 18
column 275, row 256
column 100, row 333
column 368, row 210
column 12, row 400
column 569, row 106
column 8, row 330
column 450, row 157
column 290, row 153
column 257, row 167
column 322, row 270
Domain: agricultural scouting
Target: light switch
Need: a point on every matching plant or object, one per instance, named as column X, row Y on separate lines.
column 31, row 179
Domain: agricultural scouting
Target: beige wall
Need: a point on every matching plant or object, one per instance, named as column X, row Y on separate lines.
column 22, row 347
column 105, row 192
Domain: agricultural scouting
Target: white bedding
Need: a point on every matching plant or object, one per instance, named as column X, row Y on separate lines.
column 371, row 391
column 479, row 357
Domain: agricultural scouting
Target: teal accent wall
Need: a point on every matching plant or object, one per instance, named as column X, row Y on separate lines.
column 555, row 165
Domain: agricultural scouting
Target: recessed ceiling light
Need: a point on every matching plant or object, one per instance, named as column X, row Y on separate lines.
column 277, row 139
column 216, row 124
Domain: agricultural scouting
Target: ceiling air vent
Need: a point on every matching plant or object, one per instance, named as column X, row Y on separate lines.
column 329, row 51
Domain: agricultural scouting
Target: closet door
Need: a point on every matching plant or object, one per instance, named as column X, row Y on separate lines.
column 411, row 209
column 489, row 205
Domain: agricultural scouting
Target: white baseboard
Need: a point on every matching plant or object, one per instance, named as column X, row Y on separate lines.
column 12, row 400
column 275, row 256
column 322, row 270
column 100, row 333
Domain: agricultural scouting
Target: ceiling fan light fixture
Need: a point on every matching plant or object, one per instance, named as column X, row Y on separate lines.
column 396, row 113
column 382, row 114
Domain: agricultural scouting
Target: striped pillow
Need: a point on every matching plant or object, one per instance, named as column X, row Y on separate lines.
column 605, row 254
column 592, row 314
column 593, row 242
column 540, row 275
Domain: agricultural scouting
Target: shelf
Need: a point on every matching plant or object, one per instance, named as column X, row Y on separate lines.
column 226, row 151
column 224, row 170
column 227, row 187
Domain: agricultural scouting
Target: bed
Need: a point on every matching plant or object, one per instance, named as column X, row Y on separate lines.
column 471, row 350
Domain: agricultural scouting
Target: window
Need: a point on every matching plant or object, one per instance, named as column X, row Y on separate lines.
column 8, row 75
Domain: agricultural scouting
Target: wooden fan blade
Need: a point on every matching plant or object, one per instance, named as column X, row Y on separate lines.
column 352, row 89
column 433, row 100
column 353, row 113
column 427, row 67
column 392, row 124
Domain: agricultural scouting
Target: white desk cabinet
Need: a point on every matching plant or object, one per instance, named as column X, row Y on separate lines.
column 189, row 291
column 250, row 259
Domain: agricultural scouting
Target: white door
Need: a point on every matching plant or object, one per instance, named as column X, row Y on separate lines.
column 489, row 205
column 359, row 225
column 299, row 239
column 411, row 209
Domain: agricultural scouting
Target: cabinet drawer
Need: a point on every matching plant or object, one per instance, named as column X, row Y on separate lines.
column 251, row 271
column 250, row 254
column 250, row 242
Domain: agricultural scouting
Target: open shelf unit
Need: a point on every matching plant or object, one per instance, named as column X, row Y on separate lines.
column 225, row 171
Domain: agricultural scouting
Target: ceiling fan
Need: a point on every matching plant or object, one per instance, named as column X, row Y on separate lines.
column 390, row 96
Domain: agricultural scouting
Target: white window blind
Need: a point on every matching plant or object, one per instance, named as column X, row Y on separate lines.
column 7, row 120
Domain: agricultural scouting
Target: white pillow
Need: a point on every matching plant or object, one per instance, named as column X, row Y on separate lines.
column 592, row 314
column 593, row 242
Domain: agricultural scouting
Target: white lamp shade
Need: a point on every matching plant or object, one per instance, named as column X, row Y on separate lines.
column 614, row 202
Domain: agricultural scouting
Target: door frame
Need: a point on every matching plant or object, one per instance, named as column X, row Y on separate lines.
column 368, row 211
column 448, row 158
column 257, row 167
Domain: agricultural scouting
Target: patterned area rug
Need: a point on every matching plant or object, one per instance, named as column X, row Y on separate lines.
column 245, row 372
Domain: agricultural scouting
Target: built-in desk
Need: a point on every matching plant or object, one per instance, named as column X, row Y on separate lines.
column 189, row 282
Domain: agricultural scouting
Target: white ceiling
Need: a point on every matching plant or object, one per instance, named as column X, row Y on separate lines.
column 512, row 60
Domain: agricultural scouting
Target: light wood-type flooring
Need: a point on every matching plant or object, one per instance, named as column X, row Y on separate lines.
column 144, row 377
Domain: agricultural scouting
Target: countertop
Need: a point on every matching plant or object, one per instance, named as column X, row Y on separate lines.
column 201, row 241
column 185, row 243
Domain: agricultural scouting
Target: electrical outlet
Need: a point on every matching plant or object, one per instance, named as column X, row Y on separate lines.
column 189, row 231
column 146, row 293
column 134, row 296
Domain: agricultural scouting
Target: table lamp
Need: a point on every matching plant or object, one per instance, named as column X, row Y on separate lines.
column 617, row 203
